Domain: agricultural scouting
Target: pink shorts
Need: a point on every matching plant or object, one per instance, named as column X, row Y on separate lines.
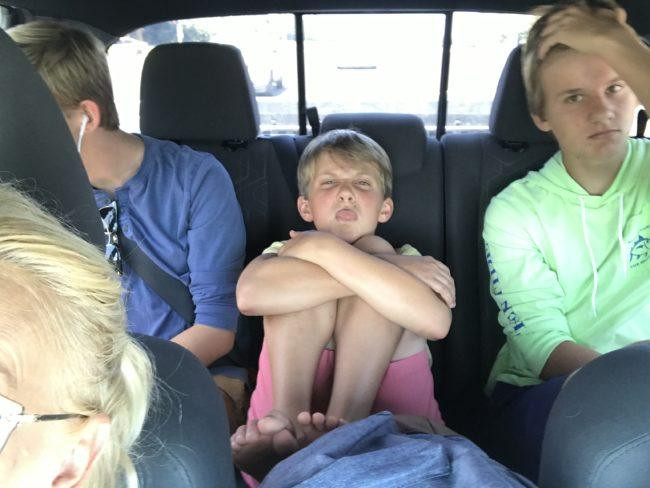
column 407, row 387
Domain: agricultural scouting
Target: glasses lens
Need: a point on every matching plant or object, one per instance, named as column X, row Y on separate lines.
column 8, row 408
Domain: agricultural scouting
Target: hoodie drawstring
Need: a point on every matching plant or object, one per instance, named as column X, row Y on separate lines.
column 621, row 242
column 594, row 270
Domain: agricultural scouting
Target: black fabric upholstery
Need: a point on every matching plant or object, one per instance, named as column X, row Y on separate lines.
column 477, row 167
column 185, row 440
column 402, row 136
column 37, row 153
column 597, row 433
column 509, row 118
column 197, row 91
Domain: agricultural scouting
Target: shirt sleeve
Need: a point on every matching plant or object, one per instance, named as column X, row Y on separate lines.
column 216, row 245
column 407, row 250
column 274, row 248
column 525, row 288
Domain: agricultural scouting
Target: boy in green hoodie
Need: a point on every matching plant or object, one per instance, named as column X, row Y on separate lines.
column 568, row 246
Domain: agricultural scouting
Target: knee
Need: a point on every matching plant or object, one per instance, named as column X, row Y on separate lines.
column 374, row 245
column 322, row 314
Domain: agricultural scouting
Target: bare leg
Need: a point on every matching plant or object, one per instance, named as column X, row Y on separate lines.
column 295, row 343
column 365, row 344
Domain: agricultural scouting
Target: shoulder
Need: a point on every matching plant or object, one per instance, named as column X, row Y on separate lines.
column 640, row 153
column 511, row 201
column 526, row 196
column 184, row 162
column 169, row 152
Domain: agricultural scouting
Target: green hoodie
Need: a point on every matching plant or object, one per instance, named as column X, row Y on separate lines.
column 569, row 266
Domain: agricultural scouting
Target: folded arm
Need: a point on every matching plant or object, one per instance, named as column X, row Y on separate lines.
column 274, row 285
column 394, row 293
column 216, row 242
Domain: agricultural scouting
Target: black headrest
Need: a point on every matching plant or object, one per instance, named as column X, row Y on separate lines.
column 36, row 149
column 197, row 92
column 510, row 120
column 402, row 136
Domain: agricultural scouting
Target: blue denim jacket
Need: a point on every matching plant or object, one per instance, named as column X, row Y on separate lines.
column 372, row 453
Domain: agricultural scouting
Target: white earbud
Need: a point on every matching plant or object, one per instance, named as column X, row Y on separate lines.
column 82, row 129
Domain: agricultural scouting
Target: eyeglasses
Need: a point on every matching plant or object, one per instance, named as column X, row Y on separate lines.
column 112, row 253
column 11, row 415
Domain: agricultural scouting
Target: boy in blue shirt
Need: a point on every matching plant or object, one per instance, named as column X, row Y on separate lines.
column 176, row 204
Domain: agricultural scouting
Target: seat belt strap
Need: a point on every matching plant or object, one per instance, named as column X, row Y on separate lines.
column 170, row 289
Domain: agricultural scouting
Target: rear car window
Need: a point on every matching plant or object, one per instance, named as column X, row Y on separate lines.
column 267, row 43
column 481, row 44
column 374, row 63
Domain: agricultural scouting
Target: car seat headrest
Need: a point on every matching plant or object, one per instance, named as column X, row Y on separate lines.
column 37, row 153
column 510, row 120
column 197, row 92
column 402, row 136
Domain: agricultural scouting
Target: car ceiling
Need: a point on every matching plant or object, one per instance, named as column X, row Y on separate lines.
column 118, row 17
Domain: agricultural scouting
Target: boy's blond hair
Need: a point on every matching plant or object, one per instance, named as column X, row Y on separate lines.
column 73, row 64
column 352, row 146
column 530, row 62
column 58, row 294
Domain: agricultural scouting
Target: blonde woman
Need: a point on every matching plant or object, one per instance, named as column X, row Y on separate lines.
column 74, row 386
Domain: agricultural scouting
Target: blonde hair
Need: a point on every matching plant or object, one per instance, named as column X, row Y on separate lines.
column 530, row 62
column 76, row 310
column 353, row 147
column 72, row 63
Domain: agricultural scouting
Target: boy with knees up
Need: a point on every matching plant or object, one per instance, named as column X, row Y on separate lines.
column 346, row 316
column 567, row 245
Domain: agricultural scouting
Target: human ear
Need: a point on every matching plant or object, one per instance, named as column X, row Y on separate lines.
column 541, row 124
column 304, row 209
column 94, row 114
column 386, row 211
column 78, row 461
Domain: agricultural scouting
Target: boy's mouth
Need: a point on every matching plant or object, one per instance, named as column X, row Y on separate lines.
column 604, row 134
column 346, row 215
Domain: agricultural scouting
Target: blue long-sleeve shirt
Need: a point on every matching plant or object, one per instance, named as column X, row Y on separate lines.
column 181, row 210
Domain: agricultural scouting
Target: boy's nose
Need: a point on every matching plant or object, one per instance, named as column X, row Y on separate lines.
column 346, row 193
column 601, row 110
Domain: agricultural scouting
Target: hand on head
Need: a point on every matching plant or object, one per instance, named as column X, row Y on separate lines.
column 583, row 28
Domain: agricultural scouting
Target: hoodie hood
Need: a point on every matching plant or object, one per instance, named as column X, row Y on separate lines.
column 555, row 178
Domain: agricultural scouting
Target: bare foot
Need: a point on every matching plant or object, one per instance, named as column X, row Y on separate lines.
column 315, row 425
column 256, row 453
column 274, row 422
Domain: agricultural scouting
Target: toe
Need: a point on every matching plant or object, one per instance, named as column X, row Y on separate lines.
column 318, row 420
